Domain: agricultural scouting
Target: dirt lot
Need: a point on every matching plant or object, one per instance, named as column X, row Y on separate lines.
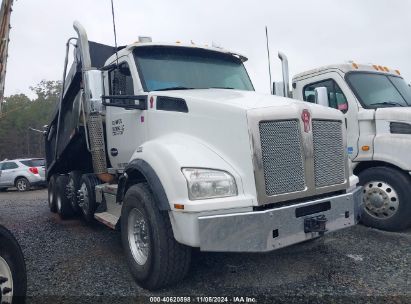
column 70, row 261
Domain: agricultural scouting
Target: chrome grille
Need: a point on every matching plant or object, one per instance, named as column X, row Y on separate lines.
column 329, row 155
column 282, row 156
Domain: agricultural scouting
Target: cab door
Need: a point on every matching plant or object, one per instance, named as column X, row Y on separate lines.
column 340, row 98
column 125, row 129
column 8, row 173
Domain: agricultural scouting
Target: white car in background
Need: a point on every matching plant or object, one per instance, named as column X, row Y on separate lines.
column 22, row 173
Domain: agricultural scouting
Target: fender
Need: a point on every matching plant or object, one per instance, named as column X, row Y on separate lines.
column 142, row 167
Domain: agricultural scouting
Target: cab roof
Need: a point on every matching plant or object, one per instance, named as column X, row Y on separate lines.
column 350, row 67
column 137, row 44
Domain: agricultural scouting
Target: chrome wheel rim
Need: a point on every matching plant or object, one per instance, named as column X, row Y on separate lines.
column 58, row 203
column 138, row 236
column 50, row 197
column 380, row 199
column 21, row 185
column 6, row 282
column 83, row 198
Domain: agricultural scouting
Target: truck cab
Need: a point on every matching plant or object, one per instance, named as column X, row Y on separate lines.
column 169, row 143
column 375, row 102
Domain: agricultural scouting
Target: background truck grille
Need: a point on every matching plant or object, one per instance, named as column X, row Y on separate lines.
column 329, row 154
column 282, row 156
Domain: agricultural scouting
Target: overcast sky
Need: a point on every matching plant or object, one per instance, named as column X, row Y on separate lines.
column 310, row 32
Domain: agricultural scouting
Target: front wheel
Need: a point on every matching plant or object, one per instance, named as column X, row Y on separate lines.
column 13, row 281
column 386, row 203
column 22, row 184
column 154, row 257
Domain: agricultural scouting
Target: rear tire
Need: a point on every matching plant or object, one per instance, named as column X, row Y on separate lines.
column 13, row 279
column 52, row 194
column 87, row 196
column 154, row 257
column 74, row 184
column 22, row 184
column 63, row 204
column 387, row 205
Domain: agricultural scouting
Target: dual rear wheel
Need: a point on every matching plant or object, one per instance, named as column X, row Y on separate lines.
column 72, row 194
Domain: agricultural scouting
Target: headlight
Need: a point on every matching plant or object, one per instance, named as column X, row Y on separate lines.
column 207, row 183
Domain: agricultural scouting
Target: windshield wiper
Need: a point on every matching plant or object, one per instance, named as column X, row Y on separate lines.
column 174, row 88
column 227, row 88
column 387, row 103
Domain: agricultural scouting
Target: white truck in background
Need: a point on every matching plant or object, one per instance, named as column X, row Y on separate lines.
column 170, row 144
column 375, row 101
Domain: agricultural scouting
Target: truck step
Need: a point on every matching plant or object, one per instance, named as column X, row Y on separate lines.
column 107, row 219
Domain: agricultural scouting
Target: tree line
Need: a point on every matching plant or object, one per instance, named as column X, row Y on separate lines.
column 20, row 113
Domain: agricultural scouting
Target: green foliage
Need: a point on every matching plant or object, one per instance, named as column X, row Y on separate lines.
column 19, row 113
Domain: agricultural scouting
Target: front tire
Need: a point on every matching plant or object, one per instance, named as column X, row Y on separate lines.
column 63, row 204
column 13, row 280
column 22, row 184
column 154, row 257
column 386, row 203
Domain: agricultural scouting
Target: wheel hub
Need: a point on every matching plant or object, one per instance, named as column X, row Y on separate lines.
column 138, row 236
column 82, row 197
column 380, row 199
column 6, row 282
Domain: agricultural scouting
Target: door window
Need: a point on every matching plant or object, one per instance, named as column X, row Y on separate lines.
column 121, row 82
column 336, row 97
column 9, row 166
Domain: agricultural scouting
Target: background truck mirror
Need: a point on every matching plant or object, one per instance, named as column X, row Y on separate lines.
column 278, row 88
column 321, row 96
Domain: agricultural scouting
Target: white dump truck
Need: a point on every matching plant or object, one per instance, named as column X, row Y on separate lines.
column 375, row 102
column 170, row 144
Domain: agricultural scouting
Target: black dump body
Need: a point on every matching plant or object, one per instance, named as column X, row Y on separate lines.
column 71, row 151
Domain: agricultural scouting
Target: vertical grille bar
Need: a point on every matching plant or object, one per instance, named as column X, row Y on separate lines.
column 329, row 154
column 282, row 156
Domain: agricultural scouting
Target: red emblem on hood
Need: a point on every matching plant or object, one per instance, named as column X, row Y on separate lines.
column 306, row 117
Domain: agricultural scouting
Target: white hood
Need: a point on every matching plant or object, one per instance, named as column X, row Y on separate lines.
column 246, row 100
column 394, row 114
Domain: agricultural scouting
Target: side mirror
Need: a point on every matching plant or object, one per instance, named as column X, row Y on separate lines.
column 321, row 96
column 278, row 88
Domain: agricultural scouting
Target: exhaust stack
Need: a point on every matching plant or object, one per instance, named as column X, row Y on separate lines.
column 92, row 101
column 286, row 81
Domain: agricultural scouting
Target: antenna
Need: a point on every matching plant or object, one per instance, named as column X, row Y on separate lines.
column 269, row 61
column 114, row 28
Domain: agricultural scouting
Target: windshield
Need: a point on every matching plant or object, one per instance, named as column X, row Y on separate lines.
column 167, row 68
column 379, row 90
column 33, row 162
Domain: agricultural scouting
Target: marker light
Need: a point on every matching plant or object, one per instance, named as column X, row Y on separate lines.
column 179, row 206
column 208, row 183
column 365, row 148
column 375, row 66
column 386, row 69
column 355, row 65
column 398, row 72
column 381, row 68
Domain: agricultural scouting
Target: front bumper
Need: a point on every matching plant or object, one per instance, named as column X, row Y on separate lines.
column 261, row 231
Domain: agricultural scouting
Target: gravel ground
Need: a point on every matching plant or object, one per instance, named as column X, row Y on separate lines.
column 72, row 262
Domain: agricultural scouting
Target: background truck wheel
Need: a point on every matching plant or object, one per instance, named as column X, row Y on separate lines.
column 22, row 184
column 13, row 281
column 62, row 202
column 74, row 184
column 51, row 194
column 154, row 257
column 87, row 196
column 386, row 203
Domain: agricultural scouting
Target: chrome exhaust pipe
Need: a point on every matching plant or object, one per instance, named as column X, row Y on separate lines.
column 286, row 77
